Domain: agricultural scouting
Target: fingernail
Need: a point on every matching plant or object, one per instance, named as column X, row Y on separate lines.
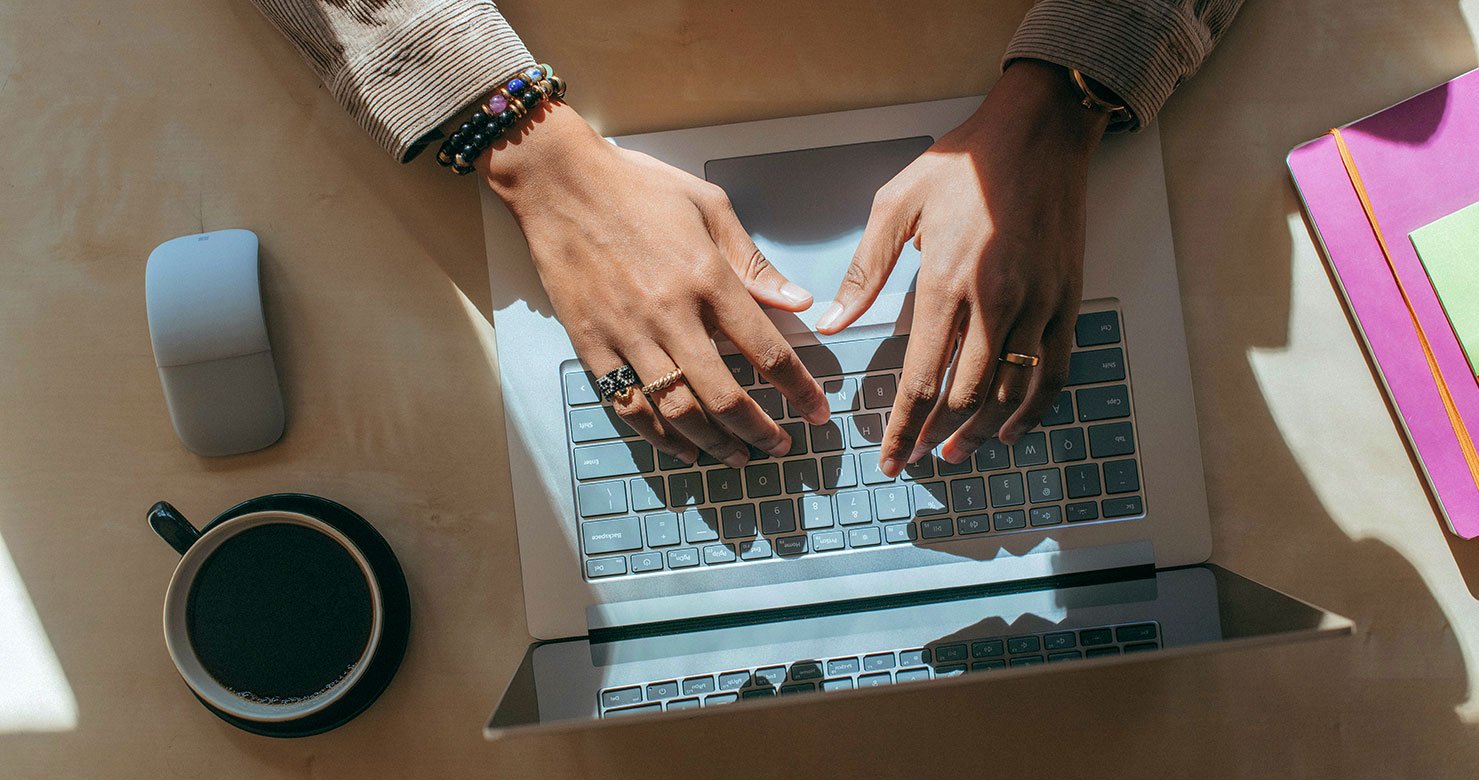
column 830, row 316
column 819, row 416
column 795, row 294
column 1009, row 436
column 737, row 460
column 918, row 453
column 782, row 446
column 689, row 456
column 891, row 467
column 951, row 454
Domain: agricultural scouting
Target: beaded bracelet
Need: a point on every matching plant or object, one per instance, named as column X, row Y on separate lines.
column 502, row 110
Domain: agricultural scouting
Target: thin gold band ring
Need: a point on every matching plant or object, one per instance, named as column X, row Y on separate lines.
column 663, row 382
column 1017, row 358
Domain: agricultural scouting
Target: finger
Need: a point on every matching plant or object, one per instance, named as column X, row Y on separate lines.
column 764, row 281
column 650, row 363
column 634, row 409
column 1048, row 379
column 931, row 341
column 1008, row 389
column 678, row 405
column 749, row 329
column 725, row 401
column 967, row 387
column 890, row 224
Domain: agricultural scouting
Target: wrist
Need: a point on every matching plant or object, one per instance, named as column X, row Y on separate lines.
column 1042, row 94
column 547, row 148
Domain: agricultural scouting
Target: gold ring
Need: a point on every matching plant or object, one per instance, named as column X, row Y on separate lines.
column 663, row 382
column 1017, row 358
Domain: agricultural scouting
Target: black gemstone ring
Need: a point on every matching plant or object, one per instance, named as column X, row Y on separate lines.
column 617, row 382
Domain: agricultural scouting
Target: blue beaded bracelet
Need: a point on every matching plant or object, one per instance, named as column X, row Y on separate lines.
column 502, row 110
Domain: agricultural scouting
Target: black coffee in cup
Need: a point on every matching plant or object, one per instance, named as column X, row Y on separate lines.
column 279, row 613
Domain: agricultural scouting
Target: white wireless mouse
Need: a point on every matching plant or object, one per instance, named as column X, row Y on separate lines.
column 210, row 342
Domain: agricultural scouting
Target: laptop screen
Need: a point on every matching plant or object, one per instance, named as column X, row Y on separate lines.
column 806, row 209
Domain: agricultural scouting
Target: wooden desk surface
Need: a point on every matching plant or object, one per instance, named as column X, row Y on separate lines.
column 128, row 123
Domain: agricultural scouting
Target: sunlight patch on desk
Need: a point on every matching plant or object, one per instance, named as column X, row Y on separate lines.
column 34, row 693
column 1330, row 412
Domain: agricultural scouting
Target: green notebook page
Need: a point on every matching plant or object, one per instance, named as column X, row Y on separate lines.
column 1449, row 250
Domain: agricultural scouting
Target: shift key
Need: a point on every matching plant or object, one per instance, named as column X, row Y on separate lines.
column 617, row 459
column 1094, row 366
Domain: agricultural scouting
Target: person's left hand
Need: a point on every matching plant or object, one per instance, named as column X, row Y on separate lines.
column 996, row 208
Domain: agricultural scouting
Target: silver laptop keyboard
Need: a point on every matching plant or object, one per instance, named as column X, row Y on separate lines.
column 641, row 511
column 944, row 659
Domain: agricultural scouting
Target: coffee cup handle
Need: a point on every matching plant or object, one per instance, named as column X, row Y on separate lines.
column 172, row 527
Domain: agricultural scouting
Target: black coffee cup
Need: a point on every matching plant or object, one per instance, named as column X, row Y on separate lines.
column 287, row 615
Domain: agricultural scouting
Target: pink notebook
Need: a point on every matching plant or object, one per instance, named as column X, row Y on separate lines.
column 1419, row 161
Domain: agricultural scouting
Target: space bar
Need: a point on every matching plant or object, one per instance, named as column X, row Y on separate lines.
column 853, row 357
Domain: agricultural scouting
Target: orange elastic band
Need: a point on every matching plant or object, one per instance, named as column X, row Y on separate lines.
column 1465, row 442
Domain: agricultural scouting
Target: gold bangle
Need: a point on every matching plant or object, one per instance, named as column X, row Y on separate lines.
column 1092, row 101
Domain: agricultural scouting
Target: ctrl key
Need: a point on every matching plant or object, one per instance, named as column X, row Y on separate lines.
column 605, row 567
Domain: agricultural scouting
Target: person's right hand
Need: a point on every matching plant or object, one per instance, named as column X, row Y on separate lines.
column 642, row 262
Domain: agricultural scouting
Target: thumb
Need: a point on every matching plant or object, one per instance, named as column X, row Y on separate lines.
column 889, row 227
column 765, row 282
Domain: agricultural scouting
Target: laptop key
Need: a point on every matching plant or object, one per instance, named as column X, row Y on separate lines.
column 740, row 369
column 875, row 680
column 923, row 468
column 872, row 472
column 770, row 676
column 662, row 690
column 1023, row 644
column 754, row 550
column 816, row 512
column 1123, row 507
column 771, row 402
column 917, row 657
column 1139, row 632
column 827, row 437
column 1083, row 510
column 700, row 525
column 899, row 533
column 839, row 471
column 683, row 704
column 1006, row 489
column 686, row 489
column 777, row 517
column 842, row 395
column 1111, row 439
column 1031, row 449
column 968, row 495
column 802, row 476
column 974, row 524
column 580, row 388
column 619, row 534
column 877, row 661
column 646, row 561
column 853, row 507
column 1103, row 403
column 733, row 681
column 621, row 697
column 988, row 648
column 935, row 529
column 1044, row 485
column 1009, row 521
column 806, row 670
column 715, row 554
column 683, row 558
column 693, row 686
column 865, row 430
column 840, row 667
column 1095, row 636
column 789, row 690
column 605, row 567
column 1095, row 366
column 868, row 536
column 617, row 459
column 601, row 498
column 738, row 521
column 839, row 684
column 929, row 498
column 724, row 485
column 825, row 541
column 993, row 456
column 1098, row 652
column 1060, row 412
column 911, row 675
column 986, row 666
column 648, row 494
column 597, row 423
column 1045, row 515
column 879, row 391
column 790, row 545
column 763, row 480
column 949, row 654
column 1097, row 328
column 1067, row 444
column 1083, row 480
column 892, row 502
column 1121, row 476
column 662, row 529
column 797, row 432
column 948, row 469
column 1067, row 655
column 1059, row 640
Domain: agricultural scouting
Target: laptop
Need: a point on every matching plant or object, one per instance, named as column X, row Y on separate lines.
column 654, row 587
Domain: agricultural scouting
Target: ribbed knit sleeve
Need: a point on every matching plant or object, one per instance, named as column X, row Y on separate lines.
column 402, row 67
column 1141, row 49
